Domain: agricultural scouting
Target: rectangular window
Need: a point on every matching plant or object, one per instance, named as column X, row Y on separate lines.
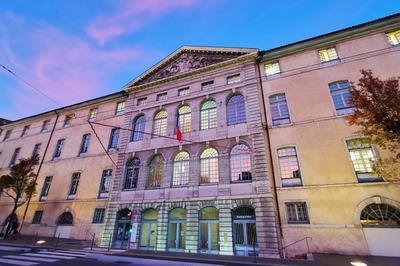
column 105, row 183
column 37, row 217
column 85, row 144
column 92, row 114
column 362, row 157
column 207, row 85
column 7, row 135
column 25, row 130
column 98, row 216
column 289, row 167
column 340, row 97
column 394, row 37
column 142, row 101
column 279, row 109
column 59, row 147
column 36, row 149
column 272, row 69
column 120, row 108
column 14, row 157
column 233, row 79
column 45, row 126
column 114, row 136
column 183, row 91
column 45, row 188
column 296, row 213
column 161, row 96
column 328, row 54
column 68, row 120
column 74, row 185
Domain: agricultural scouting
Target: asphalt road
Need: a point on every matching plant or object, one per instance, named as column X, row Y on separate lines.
column 44, row 257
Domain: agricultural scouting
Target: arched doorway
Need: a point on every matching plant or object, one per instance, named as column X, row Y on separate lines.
column 209, row 230
column 177, row 229
column 64, row 225
column 148, row 233
column 244, row 231
column 122, row 226
column 381, row 227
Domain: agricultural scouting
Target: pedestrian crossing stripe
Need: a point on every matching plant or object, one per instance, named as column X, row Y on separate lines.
column 50, row 256
column 62, row 253
column 29, row 258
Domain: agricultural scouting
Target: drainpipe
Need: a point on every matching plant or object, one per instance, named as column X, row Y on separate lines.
column 40, row 167
column 264, row 109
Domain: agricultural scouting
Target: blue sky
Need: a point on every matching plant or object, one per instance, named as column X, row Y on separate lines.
column 76, row 50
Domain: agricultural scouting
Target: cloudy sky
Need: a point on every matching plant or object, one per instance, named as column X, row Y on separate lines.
column 74, row 50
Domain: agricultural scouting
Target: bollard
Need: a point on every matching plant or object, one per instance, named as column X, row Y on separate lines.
column 91, row 246
column 109, row 243
column 55, row 246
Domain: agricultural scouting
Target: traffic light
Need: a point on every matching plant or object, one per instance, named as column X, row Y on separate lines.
column 130, row 213
column 130, row 229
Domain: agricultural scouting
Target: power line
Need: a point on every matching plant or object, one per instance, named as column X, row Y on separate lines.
column 29, row 84
column 101, row 143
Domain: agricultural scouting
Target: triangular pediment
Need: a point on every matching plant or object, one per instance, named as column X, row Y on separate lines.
column 187, row 59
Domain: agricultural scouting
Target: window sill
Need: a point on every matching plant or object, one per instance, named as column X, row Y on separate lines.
column 241, row 181
column 71, row 197
column 331, row 62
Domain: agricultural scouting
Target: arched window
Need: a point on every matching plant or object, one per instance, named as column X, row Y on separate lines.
column 208, row 223
column 65, row 219
column 208, row 115
column 209, row 166
column 177, row 229
column 132, row 173
column 138, row 128
column 160, row 124
column 240, row 163
column 181, row 169
column 380, row 215
column 236, row 110
column 184, row 117
column 155, row 171
column 148, row 235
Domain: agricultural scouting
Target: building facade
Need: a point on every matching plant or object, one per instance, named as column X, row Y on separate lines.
column 230, row 151
column 326, row 189
column 73, row 184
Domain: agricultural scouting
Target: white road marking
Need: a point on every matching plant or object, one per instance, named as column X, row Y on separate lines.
column 18, row 262
column 29, row 258
column 62, row 253
column 49, row 256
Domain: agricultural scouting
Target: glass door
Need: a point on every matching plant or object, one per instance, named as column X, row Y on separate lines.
column 176, row 235
column 149, row 234
column 209, row 236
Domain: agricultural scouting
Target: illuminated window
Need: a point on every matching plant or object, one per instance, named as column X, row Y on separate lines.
column 45, row 126
column 183, row 91
column 160, row 124
column 84, row 144
column 105, row 183
column 362, row 157
column 289, row 167
column 184, row 117
column 68, row 120
column 98, row 216
column 155, row 172
column 207, row 85
column 329, row 54
column 340, row 97
column 25, row 130
column 394, row 37
column 161, row 96
column 208, row 115
column 142, row 101
column 380, row 215
column 92, row 114
column 236, row 110
column 59, row 147
column 7, row 135
column 279, row 109
column 181, row 169
column 132, row 173
column 233, row 79
column 296, row 213
column 138, row 128
column 74, row 185
column 272, row 69
column 209, row 166
column 240, row 161
column 120, row 108
column 114, row 137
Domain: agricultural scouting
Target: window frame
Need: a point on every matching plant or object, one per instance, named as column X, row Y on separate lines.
column 162, row 96
column 160, row 127
column 59, row 147
column 74, row 185
column 284, row 120
column 138, row 136
column 296, row 203
column 102, row 215
column 45, row 126
column 207, row 85
column 7, row 134
column 103, row 194
column 120, row 107
column 135, row 170
column 293, row 181
column 92, row 114
column 113, row 139
column 327, row 54
column 84, row 147
column 151, row 173
column 141, row 101
column 273, row 72
column 36, row 149
column 210, row 164
column 232, row 121
column 180, row 170
column 184, row 120
column 233, row 79
column 25, row 130
column 397, row 38
column 344, row 110
column 45, row 188
column 14, row 157
column 231, row 164
column 68, row 120
column 184, row 91
column 212, row 114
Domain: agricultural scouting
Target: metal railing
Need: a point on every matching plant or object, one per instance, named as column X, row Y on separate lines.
column 307, row 239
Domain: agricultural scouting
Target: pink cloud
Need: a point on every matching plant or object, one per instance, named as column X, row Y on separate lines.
column 130, row 16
